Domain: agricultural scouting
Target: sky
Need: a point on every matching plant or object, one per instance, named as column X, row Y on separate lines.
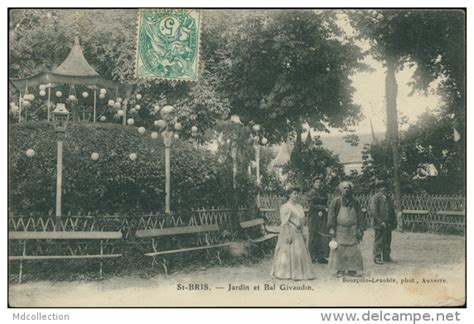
column 370, row 93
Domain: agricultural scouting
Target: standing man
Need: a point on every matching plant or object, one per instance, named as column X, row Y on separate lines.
column 383, row 213
column 317, row 224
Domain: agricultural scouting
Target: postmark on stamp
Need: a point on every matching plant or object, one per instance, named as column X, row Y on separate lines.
column 168, row 44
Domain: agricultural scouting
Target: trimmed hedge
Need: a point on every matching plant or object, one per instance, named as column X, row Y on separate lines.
column 113, row 183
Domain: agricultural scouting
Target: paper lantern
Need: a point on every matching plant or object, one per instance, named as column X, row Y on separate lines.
column 194, row 129
column 141, row 130
column 42, row 93
column 161, row 123
column 72, row 97
column 154, row 135
column 120, row 113
column 178, row 126
column 156, row 108
column 168, row 113
column 103, row 118
column 117, row 105
column 111, row 103
column 26, row 104
column 102, row 96
column 264, row 141
column 137, row 107
column 333, row 245
column 30, row 153
column 14, row 109
column 176, row 135
column 103, row 91
column 118, row 99
column 42, row 87
column 139, row 96
column 94, row 156
column 85, row 94
column 133, row 110
column 59, row 94
column 130, row 121
column 132, row 156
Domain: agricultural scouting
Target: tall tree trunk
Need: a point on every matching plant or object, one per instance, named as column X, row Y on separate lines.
column 299, row 147
column 391, row 89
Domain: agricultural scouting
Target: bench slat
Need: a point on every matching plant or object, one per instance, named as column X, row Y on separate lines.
column 450, row 213
column 60, row 235
column 251, row 223
column 410, row 211
column 267, row 209
column 273, row 229
column 56, row 257
column 187, row 249
column 176, row 230
column 264, row 238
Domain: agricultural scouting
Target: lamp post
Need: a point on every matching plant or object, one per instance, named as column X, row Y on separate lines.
column 60, row 122
column 233, row 151
column 258, row 139
column 194, row 134
column 167, row 114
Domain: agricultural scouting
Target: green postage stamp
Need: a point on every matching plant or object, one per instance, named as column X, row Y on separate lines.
column 168, row 44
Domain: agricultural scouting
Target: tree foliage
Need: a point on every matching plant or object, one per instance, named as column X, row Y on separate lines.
column 427, row 144
column 315, row 160
column 281, row 68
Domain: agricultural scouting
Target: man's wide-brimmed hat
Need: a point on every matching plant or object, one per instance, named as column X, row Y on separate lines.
column 318, row 177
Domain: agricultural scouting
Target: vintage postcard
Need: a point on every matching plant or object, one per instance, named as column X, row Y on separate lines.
column 312, row 158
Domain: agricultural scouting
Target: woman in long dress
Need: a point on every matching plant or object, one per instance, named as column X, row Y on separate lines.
column 292, row 259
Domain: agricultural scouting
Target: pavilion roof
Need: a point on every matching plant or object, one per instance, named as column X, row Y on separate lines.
column 75, row 63
column 74, row 70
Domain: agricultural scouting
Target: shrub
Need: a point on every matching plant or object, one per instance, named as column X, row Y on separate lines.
column 113, row 183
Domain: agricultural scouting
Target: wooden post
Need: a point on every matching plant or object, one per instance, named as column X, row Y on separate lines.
column 257, row 160
column 124, row 114
column 19, row 108
column 49, row 101
column 95, row 103
column 59, row 176
column 167, row 141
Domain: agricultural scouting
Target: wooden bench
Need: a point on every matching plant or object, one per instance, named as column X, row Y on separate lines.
column 260, row 231
column 203, row 235
column 415, row 218
column 447, row 219
column 77, row 253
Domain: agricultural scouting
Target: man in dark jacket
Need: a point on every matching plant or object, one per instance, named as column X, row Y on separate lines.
column 318, row 236
column 383, row 213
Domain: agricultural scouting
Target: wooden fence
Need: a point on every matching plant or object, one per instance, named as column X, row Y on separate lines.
column 421, row 212
column 429, row 212
column 201, row 216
